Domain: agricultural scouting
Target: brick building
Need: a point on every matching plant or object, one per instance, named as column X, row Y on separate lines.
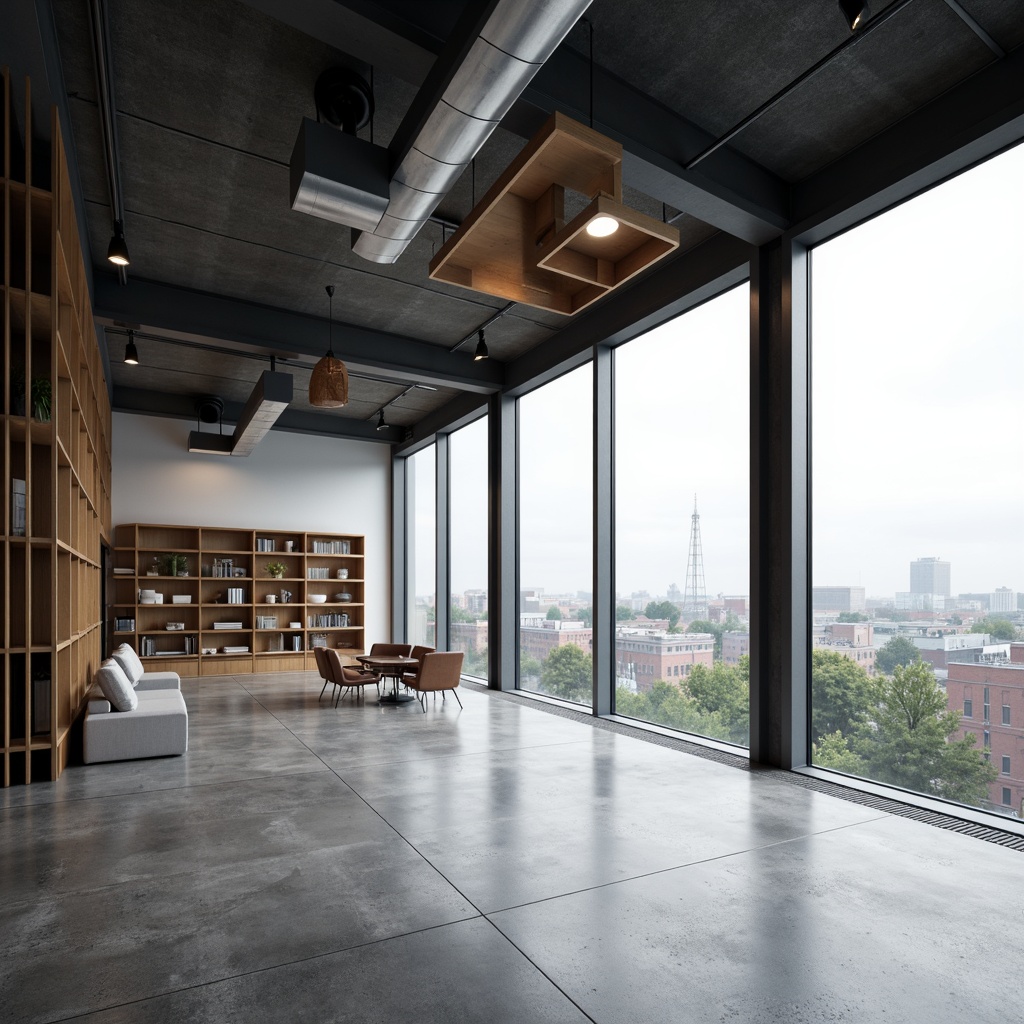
column 538, row 638
column 647, row 655
column 991, row 700
column 853, row 640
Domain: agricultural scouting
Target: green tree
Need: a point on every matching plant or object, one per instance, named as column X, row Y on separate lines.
column 529, row 669
column 624, row 613
column 461, row 615
column 899, row 651
column 666, row 704
column 724, row 690
column 998, row 629
column 706, row 626
column 662, row 610
column 554, row 612
column 832, row 751
column 568, row 673
column 586, row 616
column 909, row 745
column 840, row 695
column 852, row 617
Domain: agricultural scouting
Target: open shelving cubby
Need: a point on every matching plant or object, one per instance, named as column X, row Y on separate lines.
column 224, row 598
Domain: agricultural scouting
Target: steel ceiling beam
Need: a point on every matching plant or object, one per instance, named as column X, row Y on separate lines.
column 192, row 315
column 299, row 421
column 971, row 121
column 727, row 190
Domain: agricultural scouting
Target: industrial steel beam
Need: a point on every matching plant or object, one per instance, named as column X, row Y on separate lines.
column 191, row 315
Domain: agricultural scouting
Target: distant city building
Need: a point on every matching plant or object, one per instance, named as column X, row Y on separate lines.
column 838, row 599
column 929, row 576
column 538, row 636
column 647, row 655
column 853, row 640
column 734, row 646
column 908, row 601
column 470, row 637
column 939, row 651
column 736, row 605
column 991, row 700
column 1002, row 599
column 475, row 601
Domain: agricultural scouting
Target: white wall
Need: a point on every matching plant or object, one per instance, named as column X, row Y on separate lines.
column 290, row 482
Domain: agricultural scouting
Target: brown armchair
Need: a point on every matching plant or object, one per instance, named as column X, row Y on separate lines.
column 347, row 678
column 440, row 670
column 391, row 650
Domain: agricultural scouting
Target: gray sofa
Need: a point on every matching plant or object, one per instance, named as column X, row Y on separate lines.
column 133, row 714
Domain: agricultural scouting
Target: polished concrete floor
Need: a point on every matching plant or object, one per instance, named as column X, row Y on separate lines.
column 494, row 864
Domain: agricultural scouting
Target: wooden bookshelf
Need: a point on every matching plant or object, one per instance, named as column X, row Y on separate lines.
column 142, row 553
column 59, row 459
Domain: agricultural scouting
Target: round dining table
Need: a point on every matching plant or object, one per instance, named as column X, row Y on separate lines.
column 389, row 666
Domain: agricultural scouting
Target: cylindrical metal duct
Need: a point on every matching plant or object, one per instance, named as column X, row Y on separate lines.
column 517, row 39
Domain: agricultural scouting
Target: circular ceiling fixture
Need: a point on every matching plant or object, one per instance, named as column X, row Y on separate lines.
column 344, row 99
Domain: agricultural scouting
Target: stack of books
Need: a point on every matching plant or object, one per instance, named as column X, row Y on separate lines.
column 234, row 650
column 227, row 625
column 236, row 595
column 266, row 622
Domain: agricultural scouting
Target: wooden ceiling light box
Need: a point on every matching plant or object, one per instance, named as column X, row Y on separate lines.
column 515, row 243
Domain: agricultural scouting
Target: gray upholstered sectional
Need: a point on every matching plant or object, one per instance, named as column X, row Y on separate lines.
column 132, row 713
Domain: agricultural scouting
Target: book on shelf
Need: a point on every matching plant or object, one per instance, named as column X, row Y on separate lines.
column 124, row 625
column 234, row 650
column 266, row 622
column 227, row 625
column 236, row 595
column 332, row 547
column 265, row 545
column 118, row 571
column 314, row 573
column 17, row 508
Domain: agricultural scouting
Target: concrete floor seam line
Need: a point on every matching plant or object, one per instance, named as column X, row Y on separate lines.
column 264, row 970
column 540, row 970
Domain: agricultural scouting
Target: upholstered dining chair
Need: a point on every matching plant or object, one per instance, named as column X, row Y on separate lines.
column 347, row 678
column 440, row 670
column 391, row 650
column 320, row 653
column 417, row 653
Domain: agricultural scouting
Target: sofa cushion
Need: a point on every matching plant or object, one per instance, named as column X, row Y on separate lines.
column 116, row 686
column 158, row 681
column 126, row 657
column 157, row 728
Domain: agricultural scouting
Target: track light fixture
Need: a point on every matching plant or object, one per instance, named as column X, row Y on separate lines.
column 328, row 383
column 117, row 251
column 131, row 353
column 481, row 347
column 855, row 12
column 381, row 425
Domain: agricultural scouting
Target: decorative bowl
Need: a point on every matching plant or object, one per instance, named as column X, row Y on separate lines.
column 344, row 597
column 316, row 598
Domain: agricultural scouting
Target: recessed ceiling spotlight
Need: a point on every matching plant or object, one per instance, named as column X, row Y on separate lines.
column 855, row 12
column 602, row 225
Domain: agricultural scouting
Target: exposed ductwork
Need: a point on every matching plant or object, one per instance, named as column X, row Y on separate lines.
column 478, row 90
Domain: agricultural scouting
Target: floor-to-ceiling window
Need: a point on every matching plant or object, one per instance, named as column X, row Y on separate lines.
column 682, row 565
column 421, row 546
column 555, row 537
column 467, row 546
column 918, row 554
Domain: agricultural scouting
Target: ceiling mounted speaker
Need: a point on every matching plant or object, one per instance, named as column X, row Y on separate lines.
column 209, row 408
column 344, row 99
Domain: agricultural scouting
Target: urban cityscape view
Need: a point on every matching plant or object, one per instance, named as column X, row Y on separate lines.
column 916, row 624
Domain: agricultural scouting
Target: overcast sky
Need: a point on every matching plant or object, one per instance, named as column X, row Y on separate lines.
column 918, row 353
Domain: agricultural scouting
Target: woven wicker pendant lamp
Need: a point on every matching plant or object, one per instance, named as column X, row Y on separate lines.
column 328, row 383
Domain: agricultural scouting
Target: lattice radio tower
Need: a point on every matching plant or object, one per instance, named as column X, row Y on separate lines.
column 695, row 597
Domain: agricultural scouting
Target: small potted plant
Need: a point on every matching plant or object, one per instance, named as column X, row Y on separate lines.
column 42, row 397
column 176, row 565
column 276, row 570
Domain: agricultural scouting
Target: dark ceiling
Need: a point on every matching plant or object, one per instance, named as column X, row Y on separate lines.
column 209, row 98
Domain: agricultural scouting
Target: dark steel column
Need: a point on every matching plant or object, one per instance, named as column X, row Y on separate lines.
column 779, row 511
column 399, row 558
column 442, row 559
column 604, row 533
column 502, row 548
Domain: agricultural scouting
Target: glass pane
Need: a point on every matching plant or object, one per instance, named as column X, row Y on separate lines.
column 467, row 459
column 421, row 541
column 682, row 568
column 555, row 537
column 917, row 502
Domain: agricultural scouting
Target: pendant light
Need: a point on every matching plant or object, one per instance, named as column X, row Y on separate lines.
column 328, row 383
column 481, row 348
column 117, row 251
column 131, row 353
column 855, row 13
